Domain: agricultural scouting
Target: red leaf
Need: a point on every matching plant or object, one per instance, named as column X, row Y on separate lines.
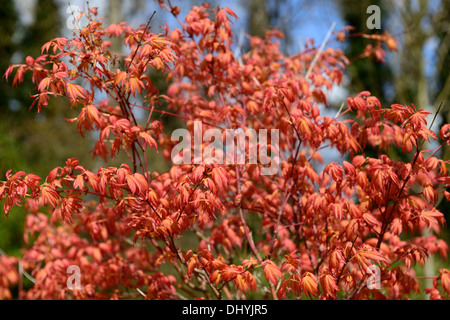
column 92, row 113
column 135, row 85
column 79, row 182
column 230, row 12
column 44, row 84
column 220, row 178
column 53, row 174
column 18, row 78
column 71, row 205
column 445, row 279
column 93, row 179
column 123, row 124
column 272, row 272
column 120, row 78
column 148, row 139
column 372, row 255
column 197, row 173
column 137, row 183
column 8, row 71
column 370, row 219
column 241, row 283
column 50, row 196
column 431, row 216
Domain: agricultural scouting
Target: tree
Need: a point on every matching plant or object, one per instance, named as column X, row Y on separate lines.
column 31, row 142
column 259, row 20
column 254, row 204
column 263, row 15
column 30, row 136
column 409, row 76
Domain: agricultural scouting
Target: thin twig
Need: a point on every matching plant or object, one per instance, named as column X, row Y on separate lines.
column 142, row 38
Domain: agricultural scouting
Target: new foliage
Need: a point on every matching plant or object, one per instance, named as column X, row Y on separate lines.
column 299, row 233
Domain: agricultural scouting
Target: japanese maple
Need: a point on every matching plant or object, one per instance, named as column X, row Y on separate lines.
column 299, row 233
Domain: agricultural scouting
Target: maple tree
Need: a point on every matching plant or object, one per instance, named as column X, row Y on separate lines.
column 298, row 233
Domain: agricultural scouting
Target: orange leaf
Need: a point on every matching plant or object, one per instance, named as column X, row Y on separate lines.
column 370, row 219
column 137, row 183
column 120, row 78
column 93, row 179
column 372, row 255
column 197, row 173
column 44, row 84
column 281, row 293
column 219, row 177
column 50, row 196
column 230, row 12
column 53, row 174
column 431, row 216
column 97, row 255
column 74, row 91
column 135, row 85
column 79, row 182
column 445, row 279
column 148, row 139
column 241, row 283
column 92, row 114
column 71, row 205
column 123, row 124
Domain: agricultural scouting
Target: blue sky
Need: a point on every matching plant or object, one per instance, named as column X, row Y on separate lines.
column 314, row 21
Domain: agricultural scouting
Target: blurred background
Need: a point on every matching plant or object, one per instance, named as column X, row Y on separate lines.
column 417, row 73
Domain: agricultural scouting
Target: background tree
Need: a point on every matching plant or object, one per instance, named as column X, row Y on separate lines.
column 310, row 224
column 410, row 76
column 441, row 25
column 10, row 146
